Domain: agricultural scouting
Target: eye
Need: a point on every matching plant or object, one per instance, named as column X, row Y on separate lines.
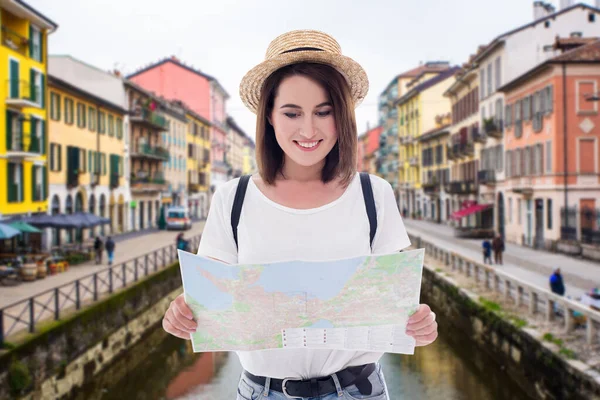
column 290, row 115
column 324, row 113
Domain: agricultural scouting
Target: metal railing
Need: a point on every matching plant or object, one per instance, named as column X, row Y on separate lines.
column 15, row 41
column 23, row 90
column 529, row 298
column 28, row 313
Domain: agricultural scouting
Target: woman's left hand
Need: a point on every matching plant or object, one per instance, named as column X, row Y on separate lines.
column 422, row 326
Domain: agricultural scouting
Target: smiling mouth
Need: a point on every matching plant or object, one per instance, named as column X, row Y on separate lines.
column 308, row 145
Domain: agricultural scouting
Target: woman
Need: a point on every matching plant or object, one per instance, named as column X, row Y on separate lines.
column 305, row 203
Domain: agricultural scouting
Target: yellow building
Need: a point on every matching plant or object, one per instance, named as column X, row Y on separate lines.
column 465, row 141
column 175, row 139
column 86, row 150
column 417, row 112
column 24, row 142
column 198, row 164
column 249, row 157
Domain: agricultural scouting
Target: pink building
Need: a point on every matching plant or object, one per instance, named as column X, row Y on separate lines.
column 175, row 80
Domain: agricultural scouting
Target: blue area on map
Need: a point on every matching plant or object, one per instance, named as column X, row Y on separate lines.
column 310, row 279
column 200, row 288
column 322, row 323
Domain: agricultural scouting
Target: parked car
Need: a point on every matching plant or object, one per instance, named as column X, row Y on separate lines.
column 178, row 218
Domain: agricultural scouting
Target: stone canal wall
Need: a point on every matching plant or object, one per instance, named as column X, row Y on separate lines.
column 534, row 365
column 64, row 355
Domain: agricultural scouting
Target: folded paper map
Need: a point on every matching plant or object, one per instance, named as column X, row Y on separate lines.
column 353, row 304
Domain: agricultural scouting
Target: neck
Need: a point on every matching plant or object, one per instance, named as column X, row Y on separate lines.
column 292, row 171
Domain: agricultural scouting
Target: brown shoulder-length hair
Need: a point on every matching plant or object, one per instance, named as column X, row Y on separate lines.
column 341, row 160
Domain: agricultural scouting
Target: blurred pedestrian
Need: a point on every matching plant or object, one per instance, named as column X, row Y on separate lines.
column 110, row 249
column 98, row 246
column 487, row 251
column 498, row 248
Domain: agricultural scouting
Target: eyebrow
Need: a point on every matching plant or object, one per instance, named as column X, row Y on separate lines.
column 327, row 103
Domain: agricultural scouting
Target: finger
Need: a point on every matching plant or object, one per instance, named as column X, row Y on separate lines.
column 183, row 307
column 169, row 328
column 178, row 322
column 422, row 312
column 428, row 339
column 424, row 331
column 186, row 323
column 428, row 320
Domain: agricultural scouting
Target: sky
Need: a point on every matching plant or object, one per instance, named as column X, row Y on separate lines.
column 226, row 38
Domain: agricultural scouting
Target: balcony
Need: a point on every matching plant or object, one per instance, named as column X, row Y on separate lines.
column 406, row 139
column 21, row 145
column 194, row 187
column 469, row 149
column 413, row 161
column 487, row 177
column 149, row 119
column 21, row 94
column 450, row 153
column 458, row 150
column 15, row 41
column 493, row 128
column 144, row 182
column 461, row 187
column 146, row 151
column 478, row 135
column 432, row 187
column 522, row 185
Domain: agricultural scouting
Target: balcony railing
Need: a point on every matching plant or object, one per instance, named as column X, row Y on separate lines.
column 156, row 152
column 461, row 187
column 144, row 182
column 413, row 161
column 22, row 93
column 493, row 128
column 22, row 143
column 478, row 135
column 487, row 176
column 150, row 118
column 15, row 41
column 523, row 185
column 431, row 187
column 450, row 153
column 469, row 149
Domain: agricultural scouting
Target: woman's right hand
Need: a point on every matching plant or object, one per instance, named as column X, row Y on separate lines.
column 178, row 320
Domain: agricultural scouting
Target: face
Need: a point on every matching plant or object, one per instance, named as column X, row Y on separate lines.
column 303, row 121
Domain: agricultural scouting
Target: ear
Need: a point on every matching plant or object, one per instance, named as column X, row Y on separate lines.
column 269, row 120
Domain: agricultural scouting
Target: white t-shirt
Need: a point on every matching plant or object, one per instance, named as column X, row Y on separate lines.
column 269, row 232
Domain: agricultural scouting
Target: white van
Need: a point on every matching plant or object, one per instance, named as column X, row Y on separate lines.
column 178, row 218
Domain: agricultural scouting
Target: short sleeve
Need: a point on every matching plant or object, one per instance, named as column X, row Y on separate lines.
column 391, row 234
column 217, row 237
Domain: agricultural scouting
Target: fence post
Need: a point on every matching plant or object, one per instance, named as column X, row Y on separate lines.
column 590, row 329
column 146, row 265
column 110, row 280
column 96, row 287
column 31, row 316
column 155, row 260
column 77, row 299
column 1, row 327
column 56, row 304
column 124, row 269
column 533, row 302
column 135, row 271
column 164, row 257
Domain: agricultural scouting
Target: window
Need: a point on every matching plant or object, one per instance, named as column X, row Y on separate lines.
column 592, row 17
column 490, row 89
column 482, row 83
column 527, row 108
column 584, row 89
column 37, row 78
column 81, row 115
column 549, row 91
column 15, row 183
column 508, row 115
column 36, row 43
column 587, row 156
column 190, row 151
column 101, row 122
column 498, row 72
column 549, row 213
column 55, row 106
column 55, row 157
column 508, row 163
column 111, row 125
column 38, row 183
column 82, row 164
column 92, row 119
column 69, row 109
column 90, row 164
column 549, row 157
column 519, row 211
column 547, row 24
column 103, row 156
column 499, row 158
column 119, row 128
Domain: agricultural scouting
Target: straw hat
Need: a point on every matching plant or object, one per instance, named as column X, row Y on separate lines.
column 303, row 46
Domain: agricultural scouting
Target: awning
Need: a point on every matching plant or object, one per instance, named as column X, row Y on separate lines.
column 472, row 209
column 24, row 227
column 7, row 231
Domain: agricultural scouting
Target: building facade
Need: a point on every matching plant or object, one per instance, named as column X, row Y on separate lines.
column 198, row 164
column 24, row 145
column 175, row 140
column 553, row 149
column 236, row 142
column 86, row 150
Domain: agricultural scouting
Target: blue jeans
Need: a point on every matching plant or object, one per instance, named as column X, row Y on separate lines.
column 111, row 256
column 248, row 390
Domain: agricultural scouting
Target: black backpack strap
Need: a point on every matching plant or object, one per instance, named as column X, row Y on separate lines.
column 238, row 201
column 367, row 189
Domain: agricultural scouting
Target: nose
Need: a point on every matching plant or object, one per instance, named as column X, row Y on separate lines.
column 308, row 129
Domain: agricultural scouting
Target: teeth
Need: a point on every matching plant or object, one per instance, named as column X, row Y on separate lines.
column 308, row 145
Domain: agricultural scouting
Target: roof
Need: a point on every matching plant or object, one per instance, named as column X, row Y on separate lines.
column 175, row 60
column 430, row 66
column 586, row 54
column 436, row 132
column 442, row 76
column 54, row 81
column 36, row 12
column 148, row 93
column 500, row 38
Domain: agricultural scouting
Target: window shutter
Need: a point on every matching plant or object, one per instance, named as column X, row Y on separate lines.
column 42, row 52
column 59, row 147
column 33, row 96
column 33, row 183
column 22, row 185
column 58, row 107
column 8, row 130
column 550, row 98
column 14, row 79
column 10, row 173
column 45, row 183
column 30, row 41
column 43, row 138
column 33, row 137
column 43, row 90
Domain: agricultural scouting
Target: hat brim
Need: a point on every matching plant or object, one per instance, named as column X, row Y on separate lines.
column 355, row 75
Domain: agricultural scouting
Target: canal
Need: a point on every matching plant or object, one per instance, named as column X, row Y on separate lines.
column 161, row 366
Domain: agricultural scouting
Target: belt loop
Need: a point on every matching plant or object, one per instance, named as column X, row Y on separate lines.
column 338, row 387
column 267, row 387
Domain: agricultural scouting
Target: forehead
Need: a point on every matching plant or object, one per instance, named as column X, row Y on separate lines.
column 300, row 90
